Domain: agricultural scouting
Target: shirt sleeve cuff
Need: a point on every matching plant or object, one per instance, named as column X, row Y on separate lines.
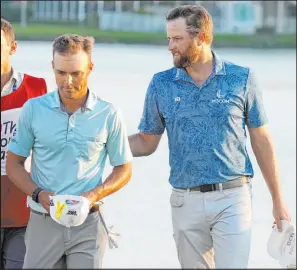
column 121, row 162
column 151, row 131
column 18, row 151
column 257, row 124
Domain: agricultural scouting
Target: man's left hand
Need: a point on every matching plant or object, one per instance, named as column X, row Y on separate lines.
column 280, row 212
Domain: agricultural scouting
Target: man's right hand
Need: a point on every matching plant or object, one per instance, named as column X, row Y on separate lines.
column 44, row 200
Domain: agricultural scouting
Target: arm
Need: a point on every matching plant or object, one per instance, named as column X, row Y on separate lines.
column 151, row 127
column 264, row 151
column 263, row 148
column 18, row 151
column 120, row 157
column 142, row 144
column 266, row 157
column 18, row 175
column 116, row 180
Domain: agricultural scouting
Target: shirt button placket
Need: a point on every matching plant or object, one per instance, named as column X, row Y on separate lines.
column 71, row 127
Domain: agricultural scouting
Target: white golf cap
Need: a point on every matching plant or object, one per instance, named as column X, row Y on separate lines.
column 288, row 254
column 281, row 245
column 69, row 210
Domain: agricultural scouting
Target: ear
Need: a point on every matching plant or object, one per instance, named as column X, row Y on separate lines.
column 13, row 48
column 91, row 65
column 201, row 38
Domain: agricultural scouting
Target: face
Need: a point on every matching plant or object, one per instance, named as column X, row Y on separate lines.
column 8, row 48
column 71, row 73
column 185, row 48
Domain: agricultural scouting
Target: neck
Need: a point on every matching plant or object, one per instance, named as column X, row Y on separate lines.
column 74, row 104
column 201, row 69
column 5, row 77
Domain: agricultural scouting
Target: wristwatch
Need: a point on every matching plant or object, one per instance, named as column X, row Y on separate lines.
column 35, row 194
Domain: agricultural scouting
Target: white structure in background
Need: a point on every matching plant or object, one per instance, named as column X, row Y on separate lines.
column 290, row 22
column 131, row 22
column 118, row 6
column 24, row 14
column 236, row 17
column 280, row 16
column 242, row 17
column 81, row 10
column 136, row 6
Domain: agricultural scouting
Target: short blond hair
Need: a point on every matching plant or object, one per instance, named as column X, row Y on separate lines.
column 6, row 27
column 72, row 43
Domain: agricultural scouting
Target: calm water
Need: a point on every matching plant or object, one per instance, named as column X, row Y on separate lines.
column 141, row 211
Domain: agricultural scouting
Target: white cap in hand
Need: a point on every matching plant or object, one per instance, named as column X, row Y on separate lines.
column 69, row 210
column 281, row 245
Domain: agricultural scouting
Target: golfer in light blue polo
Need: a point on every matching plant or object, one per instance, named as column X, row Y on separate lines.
column 70, row 132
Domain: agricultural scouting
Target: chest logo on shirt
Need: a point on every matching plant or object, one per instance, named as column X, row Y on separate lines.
column 219, row 95
column 220, row 98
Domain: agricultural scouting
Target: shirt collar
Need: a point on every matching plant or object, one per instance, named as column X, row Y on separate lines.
column 89, row 104
column 14, row 79
column 91, row 101
column 13, row 83
column 14, row 75
column 219, row 65
column 218, row 69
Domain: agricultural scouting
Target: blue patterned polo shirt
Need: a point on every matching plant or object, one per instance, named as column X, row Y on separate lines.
column 206, row 125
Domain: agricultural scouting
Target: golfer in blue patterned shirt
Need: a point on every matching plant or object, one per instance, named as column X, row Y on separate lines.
column 205, row 104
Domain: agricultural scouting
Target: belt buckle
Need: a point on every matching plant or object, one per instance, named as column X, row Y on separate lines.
column 207, row 188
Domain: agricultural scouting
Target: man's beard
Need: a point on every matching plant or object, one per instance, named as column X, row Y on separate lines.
column 187, row 58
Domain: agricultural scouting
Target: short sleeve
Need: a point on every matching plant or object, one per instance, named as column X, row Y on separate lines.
column 152, row 121
column 255, row 112
column 22, row 141
column 117, row 144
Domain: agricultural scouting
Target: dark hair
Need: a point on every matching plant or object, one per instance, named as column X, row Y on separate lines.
column 197, row 19
column 7, row 29
column 72, row 43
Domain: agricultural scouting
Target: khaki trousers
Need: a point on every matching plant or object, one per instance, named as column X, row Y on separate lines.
column 212, row 229
column 51, row 245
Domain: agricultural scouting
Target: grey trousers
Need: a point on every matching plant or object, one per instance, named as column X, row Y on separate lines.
column 51, row 245
column 212, row 229
column 12, row 248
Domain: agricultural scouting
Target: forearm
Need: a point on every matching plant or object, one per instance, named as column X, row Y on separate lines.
column 20, row 177
column 139, row 147
column 266, row 158
column 115, row 181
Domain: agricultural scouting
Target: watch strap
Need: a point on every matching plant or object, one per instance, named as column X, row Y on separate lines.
column 35, row 194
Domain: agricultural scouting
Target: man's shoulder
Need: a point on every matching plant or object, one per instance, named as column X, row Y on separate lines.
column 43, row 99
column 235, row 69
column 31, row 77
column 103, row 104
column 165, row 75
column 36, row 84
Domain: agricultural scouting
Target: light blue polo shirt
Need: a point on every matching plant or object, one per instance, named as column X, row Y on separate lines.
column 205, row 125
column 69, row 152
